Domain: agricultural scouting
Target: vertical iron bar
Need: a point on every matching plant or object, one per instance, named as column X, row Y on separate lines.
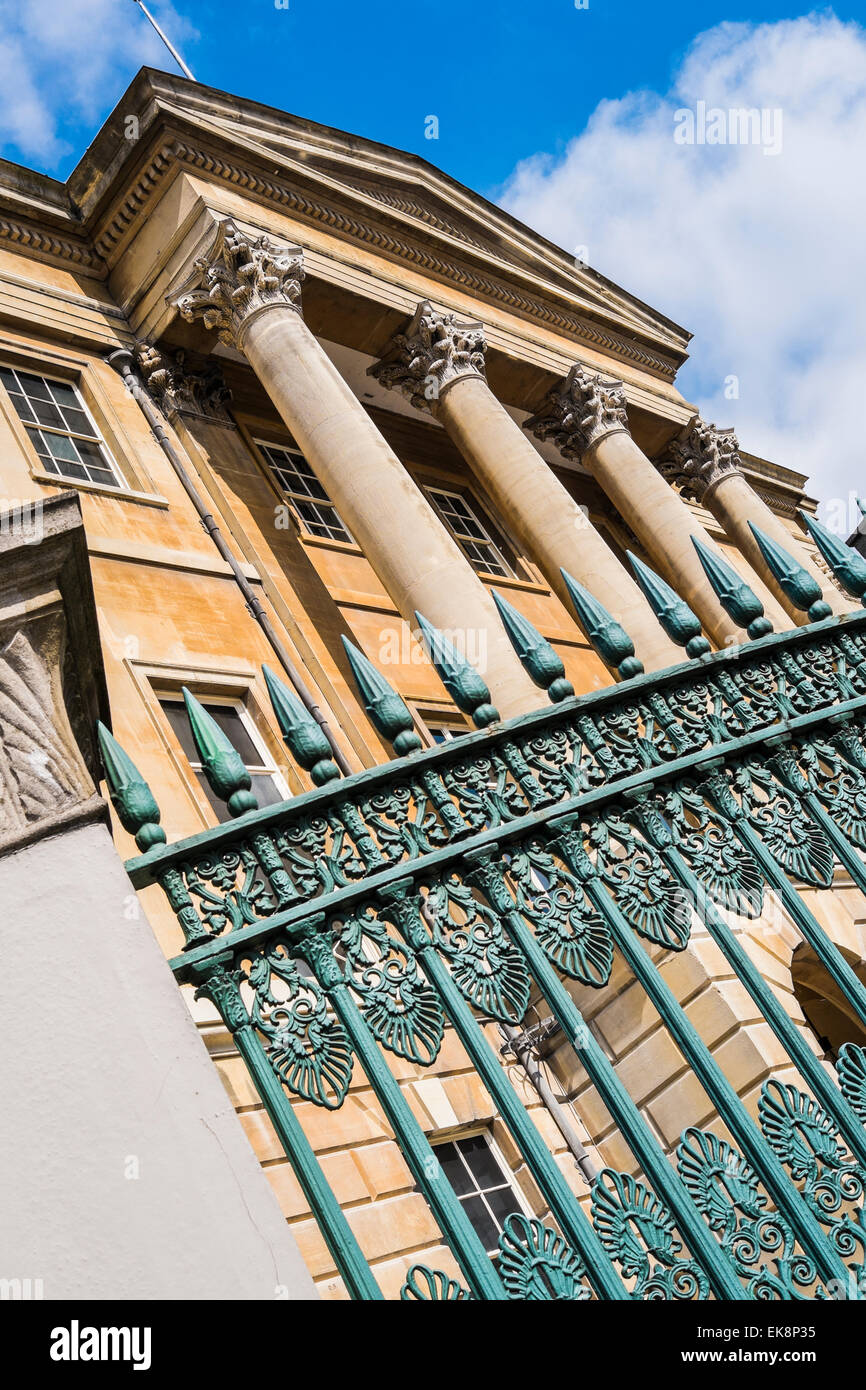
column 551, row 1182
column 787, row 1032
column 632, row 1126
column 219, row 982
column 315, row 946
column 697, row 1054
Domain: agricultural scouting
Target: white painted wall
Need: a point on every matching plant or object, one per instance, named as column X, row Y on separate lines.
column 101, row 1069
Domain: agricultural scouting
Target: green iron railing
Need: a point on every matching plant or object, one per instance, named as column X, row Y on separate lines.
column 361, row 918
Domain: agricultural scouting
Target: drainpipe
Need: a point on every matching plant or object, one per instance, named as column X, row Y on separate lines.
column 523, row 1046
column 123, row 362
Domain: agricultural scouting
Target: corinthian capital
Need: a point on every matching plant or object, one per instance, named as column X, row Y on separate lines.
column 700, row 459
column 240, row 276
column 581, row 411
column 436, row 350
column 180, row 386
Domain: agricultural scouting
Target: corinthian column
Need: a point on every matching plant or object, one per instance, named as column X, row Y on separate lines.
column 249, row 290
column 706, row 466
column 439, row 364
column 586, row 417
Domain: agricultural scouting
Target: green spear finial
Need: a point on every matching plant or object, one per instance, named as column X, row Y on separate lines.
column 387, row 712
column 862, row 505
column 739, row 601
column 461, row 680
column 603, row 632
column 675, row 616
column 223, row 765
column 130, row 795
column 303, row 737
column 535, row 652
column 803, row 591
column 847, row 565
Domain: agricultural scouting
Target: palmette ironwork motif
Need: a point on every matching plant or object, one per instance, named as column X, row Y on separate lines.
column 348, row 921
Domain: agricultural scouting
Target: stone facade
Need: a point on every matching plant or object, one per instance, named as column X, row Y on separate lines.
column 473, row 410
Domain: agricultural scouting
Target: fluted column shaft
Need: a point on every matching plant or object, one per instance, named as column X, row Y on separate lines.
column 249, row 290
column 439, row 363
column 705, row 464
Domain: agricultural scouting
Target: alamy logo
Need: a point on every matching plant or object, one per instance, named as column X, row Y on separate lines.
column 77, row 1343
column 741, row 125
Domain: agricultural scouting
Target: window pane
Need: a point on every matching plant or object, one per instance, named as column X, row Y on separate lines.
column 482, row 1162
column 482, row 1221
column 454, row 1168
column 265, row 789
column 502, row 1203
column 175, row 713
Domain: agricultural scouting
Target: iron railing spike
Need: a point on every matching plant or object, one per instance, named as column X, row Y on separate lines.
column 302, row 736
column 849, row 568
column 673, row 613
column 463, row 683
column 222, row 764
column 536, row 654
column 388, row 713
column 130, row 795
column 739, row 601
column 607, row 637
column 797, row 583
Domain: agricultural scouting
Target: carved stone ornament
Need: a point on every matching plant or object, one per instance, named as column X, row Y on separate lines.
column 436, row 350
column 580, row 412
column 698, row 461
column 241, row 275
column 180, row 384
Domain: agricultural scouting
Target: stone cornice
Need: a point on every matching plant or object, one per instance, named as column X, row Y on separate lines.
column 436, row 350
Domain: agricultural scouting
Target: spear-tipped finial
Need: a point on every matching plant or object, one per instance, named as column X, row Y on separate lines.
column 679, row 622
column 606, row 636
column 461, row 680
column 794, row 581
column 535, row 652
column 130, row 795
column 862, row 505
column 739, row 601
column 222, row 763
column 847, row 565
column 302, row 735
column 389, row 714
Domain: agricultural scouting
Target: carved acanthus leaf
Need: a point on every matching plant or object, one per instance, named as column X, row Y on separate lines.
column 436, row 350
column 240, row 275
column 700, row 459
column 177, row 386
column 580, row 412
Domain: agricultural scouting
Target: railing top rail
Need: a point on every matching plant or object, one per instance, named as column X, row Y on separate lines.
column 343, row 899
column 146, row 869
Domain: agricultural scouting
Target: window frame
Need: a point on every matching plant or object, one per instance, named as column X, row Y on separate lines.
column 511, row 571
column 133, row 481
column 272, row 468
column 484, row 1132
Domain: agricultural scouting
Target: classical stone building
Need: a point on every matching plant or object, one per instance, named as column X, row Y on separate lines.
column 306, row 388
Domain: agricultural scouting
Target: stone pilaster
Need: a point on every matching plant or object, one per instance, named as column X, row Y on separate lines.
column 182, row 385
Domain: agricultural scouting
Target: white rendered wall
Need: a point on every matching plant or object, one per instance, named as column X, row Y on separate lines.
column 104, row 1075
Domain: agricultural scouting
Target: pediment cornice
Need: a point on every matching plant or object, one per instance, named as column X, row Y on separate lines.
column 392, row 203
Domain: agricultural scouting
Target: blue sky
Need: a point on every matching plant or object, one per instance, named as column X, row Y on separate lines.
column 564, row 115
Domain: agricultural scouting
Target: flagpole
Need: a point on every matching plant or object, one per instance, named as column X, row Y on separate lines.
column 172, row 50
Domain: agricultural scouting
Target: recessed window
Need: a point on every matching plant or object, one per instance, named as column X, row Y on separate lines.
column 482, row 1184
column 482, row 544
column 309, row 500
column 60, row 428
column 268, row 786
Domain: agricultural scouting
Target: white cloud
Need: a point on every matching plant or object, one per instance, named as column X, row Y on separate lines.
column 760, row 255
column 63, row 62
